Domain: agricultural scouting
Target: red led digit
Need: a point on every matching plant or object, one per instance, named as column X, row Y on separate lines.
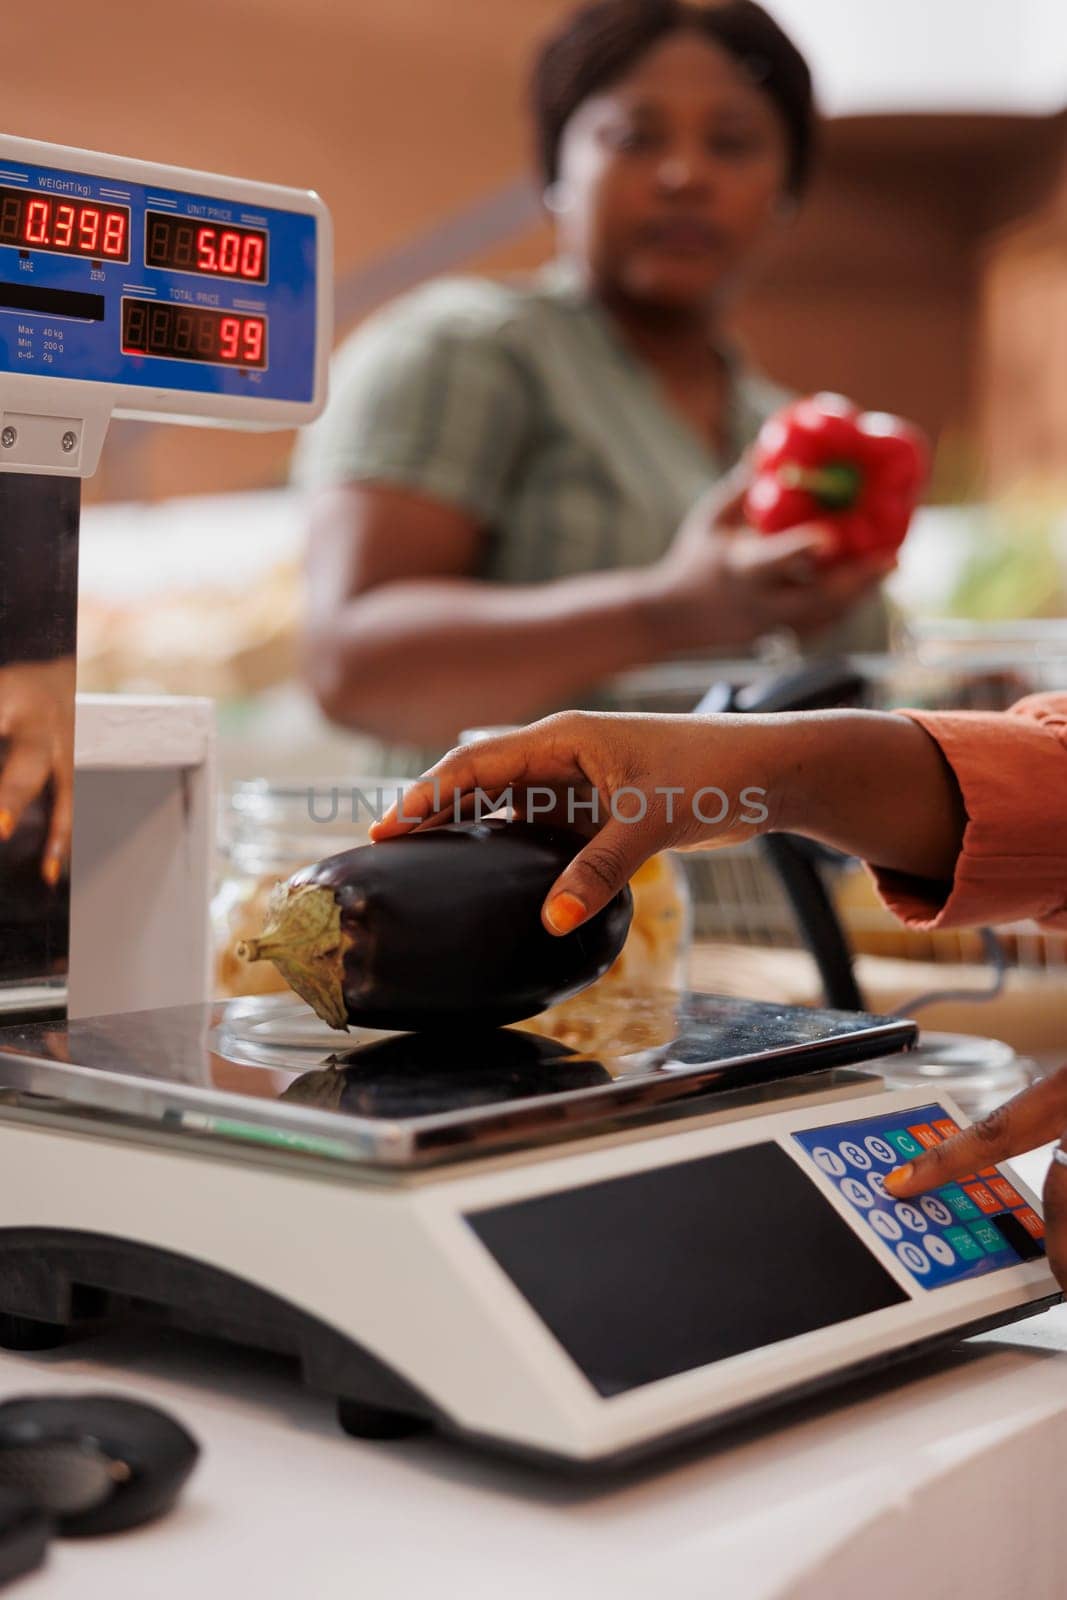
column 115, row 233
column 157, row 243
column 159, row 329
column 136, row 326
column 251, row 256
column 88, row 230
column 229, row 334
column 252, row 340
column 229, row 252
column 37, row 214
column 64, row 230
column 183, row 333
column 206, row 255
column 184, row 239
column 10, row 214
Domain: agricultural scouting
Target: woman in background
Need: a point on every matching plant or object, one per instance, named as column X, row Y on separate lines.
column 508, row 481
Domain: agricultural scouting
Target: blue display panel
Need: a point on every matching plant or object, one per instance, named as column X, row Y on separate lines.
column 959, row 1231
column 116, row 282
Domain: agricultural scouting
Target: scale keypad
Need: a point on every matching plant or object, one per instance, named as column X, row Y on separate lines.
column 960, row 1230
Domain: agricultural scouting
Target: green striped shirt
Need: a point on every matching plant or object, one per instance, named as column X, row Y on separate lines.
column 521, row 403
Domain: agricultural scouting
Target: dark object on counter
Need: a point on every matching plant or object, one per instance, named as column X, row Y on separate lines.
column 93, row 1463
column 39, row 516
column 38, row 610
column 24, row 1534
column 416, row 1074
column 33, row 916
column 437, row 930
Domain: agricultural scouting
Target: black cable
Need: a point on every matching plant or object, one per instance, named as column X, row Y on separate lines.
column 813, row 686
column 997, row 960
column 817, row 920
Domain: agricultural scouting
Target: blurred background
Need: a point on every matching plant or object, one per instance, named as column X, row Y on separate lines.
column 927, row 275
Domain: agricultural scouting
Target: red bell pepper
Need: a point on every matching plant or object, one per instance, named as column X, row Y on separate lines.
column 823, row 460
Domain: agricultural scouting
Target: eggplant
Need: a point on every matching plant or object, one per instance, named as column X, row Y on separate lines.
column 437, row 929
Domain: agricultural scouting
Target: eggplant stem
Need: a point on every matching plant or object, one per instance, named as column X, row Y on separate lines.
column 303, row 938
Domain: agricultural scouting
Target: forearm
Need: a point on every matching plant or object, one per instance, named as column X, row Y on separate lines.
column 417, row 660
column 870, row 783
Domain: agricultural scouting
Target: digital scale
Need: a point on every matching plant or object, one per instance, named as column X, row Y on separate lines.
column 579, row 1255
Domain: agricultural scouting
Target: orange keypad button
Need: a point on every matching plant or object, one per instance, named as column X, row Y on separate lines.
column 1031, row 1222
column 984, row 1198
column 1004, row 1191
column 946, row 1128
column 988, row 1172
column 925, row 1135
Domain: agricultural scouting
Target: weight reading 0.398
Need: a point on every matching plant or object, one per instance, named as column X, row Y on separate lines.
column 64, row 227
column 193, row 333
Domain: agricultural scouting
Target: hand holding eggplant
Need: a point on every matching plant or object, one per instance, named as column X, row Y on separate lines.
column 870, row 783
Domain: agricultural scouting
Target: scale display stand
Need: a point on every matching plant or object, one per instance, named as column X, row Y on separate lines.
column 577, row 1257
column 149, row 292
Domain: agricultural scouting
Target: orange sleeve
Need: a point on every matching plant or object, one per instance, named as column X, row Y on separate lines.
column 1012, row 771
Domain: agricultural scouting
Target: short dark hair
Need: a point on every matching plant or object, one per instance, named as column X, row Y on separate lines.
column 599, row 43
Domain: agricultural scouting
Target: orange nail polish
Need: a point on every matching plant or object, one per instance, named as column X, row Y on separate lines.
column 898, row 1176
column 565, row 912
column 51, row 870
column 7, row 824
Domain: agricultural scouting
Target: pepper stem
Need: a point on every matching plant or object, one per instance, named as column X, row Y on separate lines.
column 302, row 937
column 836, row 485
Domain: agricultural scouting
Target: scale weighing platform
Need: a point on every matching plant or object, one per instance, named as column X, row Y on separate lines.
column 577, row 1257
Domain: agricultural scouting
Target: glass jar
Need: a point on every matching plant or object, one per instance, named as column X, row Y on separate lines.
column 656, row 952
column 268, row 831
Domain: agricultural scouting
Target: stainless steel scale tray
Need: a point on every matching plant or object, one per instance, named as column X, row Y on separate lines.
column 406, row 1100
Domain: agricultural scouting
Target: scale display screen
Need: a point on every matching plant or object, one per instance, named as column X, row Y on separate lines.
column 207, row 296
column 64, row 225
column 193, row 333
column 726, row 1212
column 186, row 245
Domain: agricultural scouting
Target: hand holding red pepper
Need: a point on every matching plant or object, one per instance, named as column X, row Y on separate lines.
column 823, row 460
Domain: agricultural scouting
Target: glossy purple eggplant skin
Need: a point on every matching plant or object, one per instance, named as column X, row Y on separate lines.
column 446, row 930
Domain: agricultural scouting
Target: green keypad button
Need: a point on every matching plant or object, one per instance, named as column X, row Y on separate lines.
column 991, row 1239
column 961, row 1205
column 901, row 1140
column 964, row 1244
